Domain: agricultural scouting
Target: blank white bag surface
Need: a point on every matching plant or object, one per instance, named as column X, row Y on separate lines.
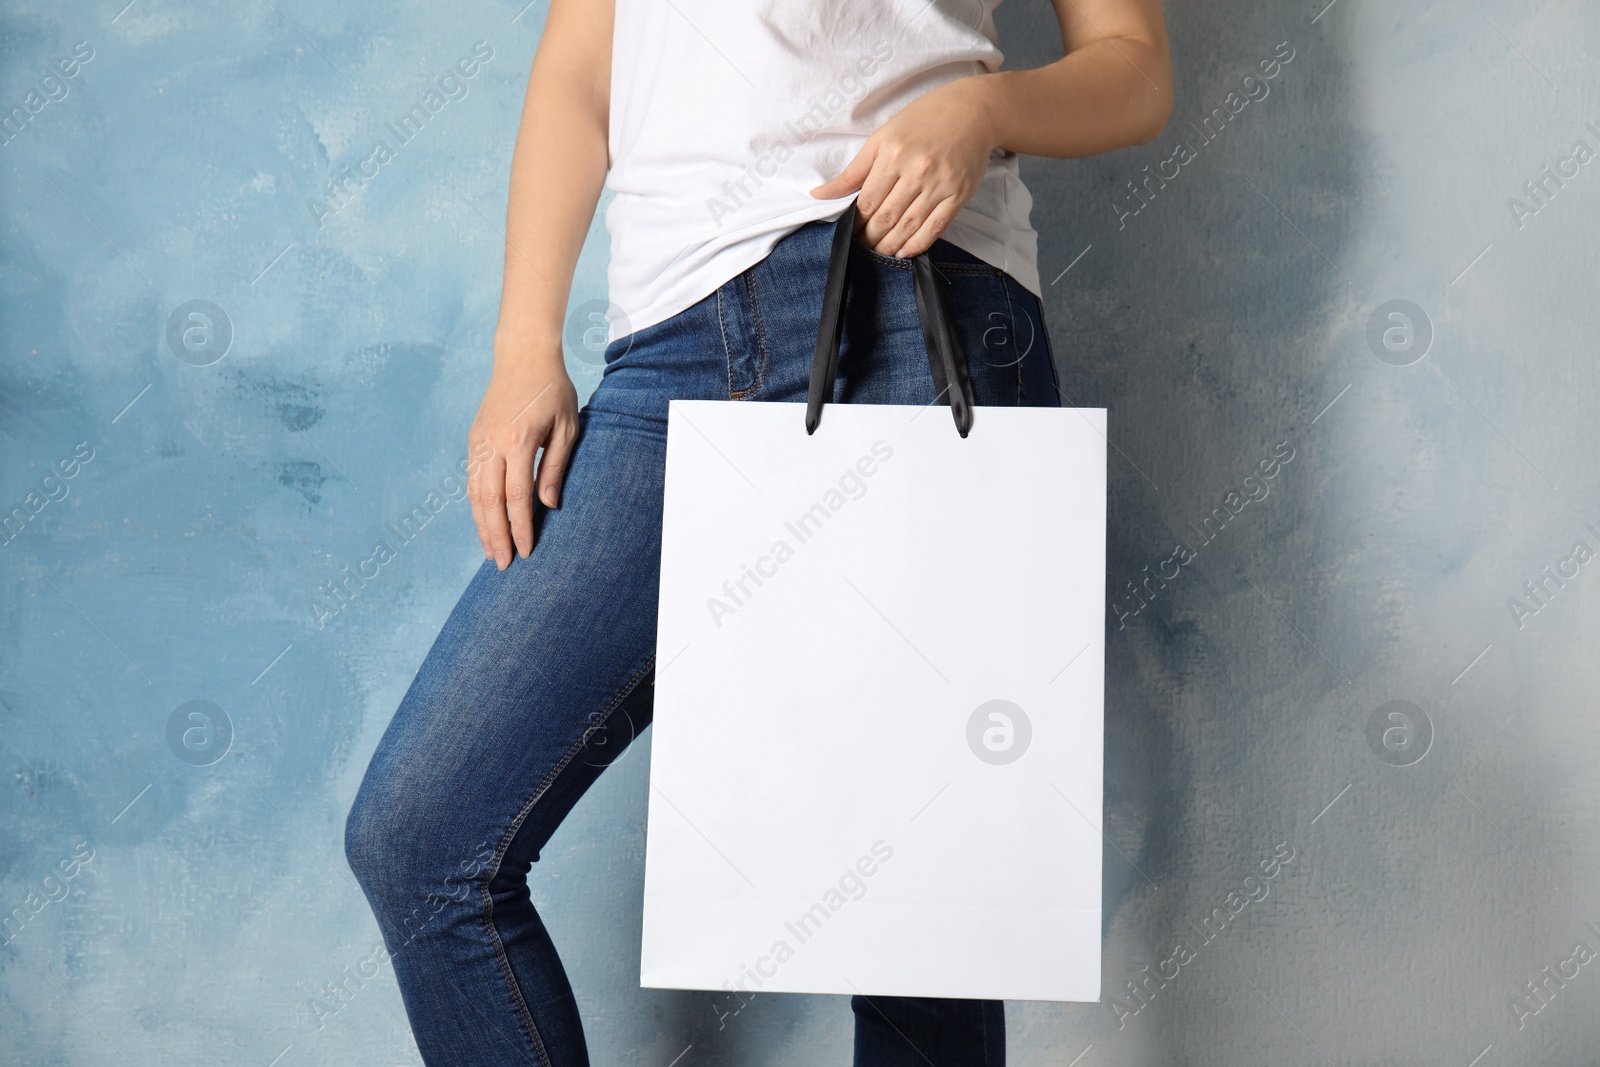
column 822, row 710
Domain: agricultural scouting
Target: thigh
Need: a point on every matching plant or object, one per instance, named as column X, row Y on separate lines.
column 541, row 674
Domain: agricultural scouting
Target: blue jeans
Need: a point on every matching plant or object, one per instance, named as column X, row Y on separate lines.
column 543, row 673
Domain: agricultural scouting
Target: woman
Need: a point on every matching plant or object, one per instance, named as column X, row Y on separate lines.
column 713, row 125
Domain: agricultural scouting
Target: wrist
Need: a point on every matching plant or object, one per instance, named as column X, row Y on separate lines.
column 981, row 98
column 514, row 338
column 521, row 348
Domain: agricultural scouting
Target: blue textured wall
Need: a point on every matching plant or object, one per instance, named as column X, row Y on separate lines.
column 191, row 476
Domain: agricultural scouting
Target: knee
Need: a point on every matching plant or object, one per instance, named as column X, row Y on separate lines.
column 370, row 842
column 381, row 843
column 408, row 851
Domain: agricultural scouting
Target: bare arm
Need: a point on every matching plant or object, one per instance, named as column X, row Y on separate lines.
column 1113, row 88
column 557, row 170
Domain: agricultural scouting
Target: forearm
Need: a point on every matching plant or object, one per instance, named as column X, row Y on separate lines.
column 1106, row 95
column 557, row 170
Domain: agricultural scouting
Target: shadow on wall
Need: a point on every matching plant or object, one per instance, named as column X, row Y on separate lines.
column 1179, row 277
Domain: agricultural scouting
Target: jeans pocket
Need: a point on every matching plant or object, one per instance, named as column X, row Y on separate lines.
column 996, row 333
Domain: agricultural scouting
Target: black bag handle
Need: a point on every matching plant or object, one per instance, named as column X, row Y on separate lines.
column 947, row 361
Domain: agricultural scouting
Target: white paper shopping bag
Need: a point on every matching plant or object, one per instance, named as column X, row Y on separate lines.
column 876, row 763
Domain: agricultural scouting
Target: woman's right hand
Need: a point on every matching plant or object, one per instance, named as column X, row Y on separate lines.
column 530, row 404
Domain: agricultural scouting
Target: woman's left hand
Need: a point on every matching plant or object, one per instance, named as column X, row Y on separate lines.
column 918, row 169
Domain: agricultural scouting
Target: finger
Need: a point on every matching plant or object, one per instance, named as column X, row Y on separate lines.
column 849, row 179
column 519, row 501
column 933, row 226
column 889, row 222
column 491, row 501
column 909, row 220
column 553, row 464
column 883, row 198
column 482, row 528
column 475, row 476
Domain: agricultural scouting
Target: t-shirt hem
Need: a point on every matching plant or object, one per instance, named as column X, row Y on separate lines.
column 731, row 262
column 739, row 258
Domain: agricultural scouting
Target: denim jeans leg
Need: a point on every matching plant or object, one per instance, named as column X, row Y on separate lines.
column 923, row 1032
column 540, row 677
column 542, row 674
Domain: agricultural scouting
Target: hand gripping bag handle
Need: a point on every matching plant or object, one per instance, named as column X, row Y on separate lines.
column 947, row 361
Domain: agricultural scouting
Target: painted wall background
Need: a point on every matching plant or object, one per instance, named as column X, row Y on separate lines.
column 193, row 494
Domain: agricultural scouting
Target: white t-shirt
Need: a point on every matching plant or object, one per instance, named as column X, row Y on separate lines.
column 724, row 114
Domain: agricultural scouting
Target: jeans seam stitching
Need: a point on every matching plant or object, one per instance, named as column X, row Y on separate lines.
column 1011, row 311
column 761, row 334
column 510, row 835
column 749, row 277
column 530, row 1029
column 946, row 265
column 1049, row 351
column 727, row 349
column 971, row 268
column 888, row 261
